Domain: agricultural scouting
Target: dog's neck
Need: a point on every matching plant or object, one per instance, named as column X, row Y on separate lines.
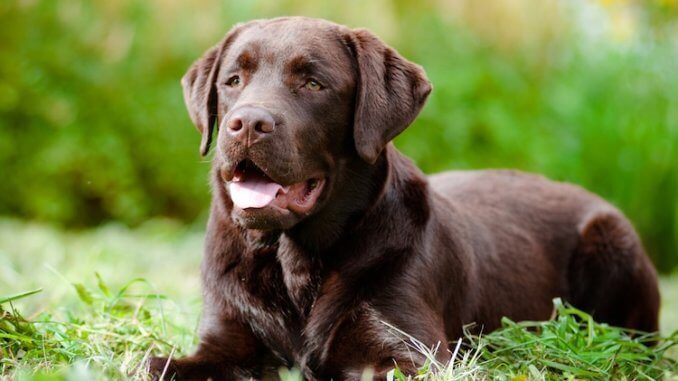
column 357, row 188
column 369, row 208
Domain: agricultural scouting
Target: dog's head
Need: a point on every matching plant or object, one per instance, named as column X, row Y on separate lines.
column 292, row 98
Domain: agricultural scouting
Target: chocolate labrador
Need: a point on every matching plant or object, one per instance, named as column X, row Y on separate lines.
column 322, row 237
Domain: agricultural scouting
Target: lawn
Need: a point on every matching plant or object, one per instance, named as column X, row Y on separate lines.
column 111, row 296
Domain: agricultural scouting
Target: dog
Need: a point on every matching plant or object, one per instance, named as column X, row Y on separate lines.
column 322, row 237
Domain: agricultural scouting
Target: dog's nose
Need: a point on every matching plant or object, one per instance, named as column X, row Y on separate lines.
column 250, row 123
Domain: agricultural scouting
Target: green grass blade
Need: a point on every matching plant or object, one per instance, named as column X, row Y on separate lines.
column 14, row 297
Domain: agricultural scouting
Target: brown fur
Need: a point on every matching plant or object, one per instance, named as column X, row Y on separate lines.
column 384, row 242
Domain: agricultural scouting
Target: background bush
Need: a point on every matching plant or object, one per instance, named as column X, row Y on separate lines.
column 93, row 127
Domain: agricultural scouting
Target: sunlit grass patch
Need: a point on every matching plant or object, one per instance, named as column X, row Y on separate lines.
column 109, row 337
column 570, row 346
column 574, row 346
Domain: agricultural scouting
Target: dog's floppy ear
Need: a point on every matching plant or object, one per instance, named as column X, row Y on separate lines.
column 200, row 91
column 390, row 93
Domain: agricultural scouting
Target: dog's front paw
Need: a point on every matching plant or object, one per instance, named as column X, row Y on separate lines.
column 191, row 368
column 161, row 368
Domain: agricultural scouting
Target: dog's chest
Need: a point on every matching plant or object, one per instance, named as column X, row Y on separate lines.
column 275, row 294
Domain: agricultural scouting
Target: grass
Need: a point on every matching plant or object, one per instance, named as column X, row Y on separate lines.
column 110, row 337
column 60, row 320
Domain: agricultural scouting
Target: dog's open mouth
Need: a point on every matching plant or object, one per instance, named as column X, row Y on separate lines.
column 250, row 187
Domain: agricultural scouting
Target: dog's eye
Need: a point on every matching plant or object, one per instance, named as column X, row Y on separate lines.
column 313, row 85
column 234, row 81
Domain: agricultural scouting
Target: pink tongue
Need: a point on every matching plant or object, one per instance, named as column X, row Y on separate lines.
column 253, row 192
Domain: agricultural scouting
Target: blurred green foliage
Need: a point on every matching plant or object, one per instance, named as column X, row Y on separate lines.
column 93, row 127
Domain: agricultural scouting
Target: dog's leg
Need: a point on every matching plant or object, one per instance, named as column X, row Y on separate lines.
column 227, row 351
column 189, row 368
column 366, row 338
column 610, row 275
